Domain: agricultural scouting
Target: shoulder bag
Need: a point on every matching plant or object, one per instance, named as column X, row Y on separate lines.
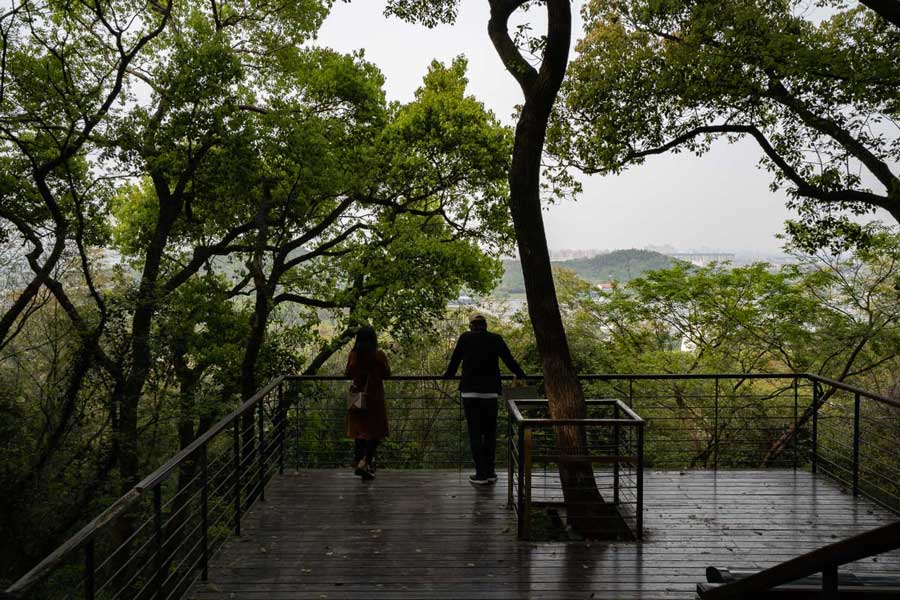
column 356, row 398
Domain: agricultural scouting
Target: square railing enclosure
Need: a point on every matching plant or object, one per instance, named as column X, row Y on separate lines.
column 583, row 476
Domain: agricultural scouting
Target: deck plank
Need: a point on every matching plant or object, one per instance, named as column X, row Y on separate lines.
column 431, row 535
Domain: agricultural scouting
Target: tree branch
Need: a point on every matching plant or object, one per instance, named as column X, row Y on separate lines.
column 315, row 231
column 204, row 253
column 321, row 249
column 876, row 166
column 512, row 59
column 305, row 301
column 804, row 188
column 888, row 9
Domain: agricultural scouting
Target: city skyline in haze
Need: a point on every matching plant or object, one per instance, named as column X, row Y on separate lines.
column 720, row 201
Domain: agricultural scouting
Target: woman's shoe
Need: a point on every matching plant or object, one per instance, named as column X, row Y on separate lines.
column 368, row 474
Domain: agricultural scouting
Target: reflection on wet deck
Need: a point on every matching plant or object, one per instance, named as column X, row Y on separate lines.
column 430, row 534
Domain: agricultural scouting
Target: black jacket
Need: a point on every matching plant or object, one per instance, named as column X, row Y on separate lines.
column 479, row 351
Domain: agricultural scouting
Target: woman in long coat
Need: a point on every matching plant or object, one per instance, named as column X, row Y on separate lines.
column 367, row 366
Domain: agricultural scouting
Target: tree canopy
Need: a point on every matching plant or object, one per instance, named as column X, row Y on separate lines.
column 814, row 87
column 194, row 197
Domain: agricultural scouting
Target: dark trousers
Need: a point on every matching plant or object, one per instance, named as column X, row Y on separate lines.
column 481, row 417
column 365, row 448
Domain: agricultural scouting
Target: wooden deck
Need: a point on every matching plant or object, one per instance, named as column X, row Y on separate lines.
column 430, row 534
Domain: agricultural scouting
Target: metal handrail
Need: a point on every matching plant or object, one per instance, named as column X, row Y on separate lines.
column 166, row 469
column 633, row 377
column 850, row 388
column 84, row 538
column 87, row 533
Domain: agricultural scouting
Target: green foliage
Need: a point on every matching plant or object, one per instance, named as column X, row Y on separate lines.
column 237, row 205
column 427, row 12
column 835, row 315
column 816, row 90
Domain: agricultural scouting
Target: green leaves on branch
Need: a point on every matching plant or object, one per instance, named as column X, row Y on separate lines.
column 816, row 91
column 429, row 13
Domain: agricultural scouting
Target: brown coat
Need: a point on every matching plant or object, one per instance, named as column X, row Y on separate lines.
column 372, row 423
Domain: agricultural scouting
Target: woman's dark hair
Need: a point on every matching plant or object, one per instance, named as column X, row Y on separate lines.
column 366, row 340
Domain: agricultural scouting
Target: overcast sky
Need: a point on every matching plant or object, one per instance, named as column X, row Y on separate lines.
column 718, row 202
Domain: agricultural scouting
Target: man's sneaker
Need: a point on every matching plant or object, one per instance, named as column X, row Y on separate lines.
column 492, row 478
column 475, row 480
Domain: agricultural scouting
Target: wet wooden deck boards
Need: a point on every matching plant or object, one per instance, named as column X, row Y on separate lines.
column 430, row 534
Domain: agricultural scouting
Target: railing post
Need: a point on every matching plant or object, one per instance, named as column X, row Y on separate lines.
column 796, row 423
column 204, row 514
column 815, row 428
column 856, row 407
column 461, row 453
column 631, row 393
column 297, row 433
column 716, row 429
column 509, row 459
column 237, row 477
column 526, row 470
column 90, row 583
column 520, row 475
column 639, row 516
column 617, row 454
column 262, row 449
column 158, row 537
column 282, row 427
column 830, row 582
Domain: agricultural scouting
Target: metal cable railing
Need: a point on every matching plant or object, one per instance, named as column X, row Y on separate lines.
column 157, row 539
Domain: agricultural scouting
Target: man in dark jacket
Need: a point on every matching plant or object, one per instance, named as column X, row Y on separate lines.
column 479, row 351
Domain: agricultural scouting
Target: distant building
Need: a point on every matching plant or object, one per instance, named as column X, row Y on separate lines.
column 570, row 254
column 465, row 300
column 703, row 259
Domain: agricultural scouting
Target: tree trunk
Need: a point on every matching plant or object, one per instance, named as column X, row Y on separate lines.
column 587, row 512
column 585, row 507
column 141, row 323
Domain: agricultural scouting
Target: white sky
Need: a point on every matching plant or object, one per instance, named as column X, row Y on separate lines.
column 720, row 201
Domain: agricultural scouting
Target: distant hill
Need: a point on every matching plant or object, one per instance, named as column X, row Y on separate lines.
column 621, row 265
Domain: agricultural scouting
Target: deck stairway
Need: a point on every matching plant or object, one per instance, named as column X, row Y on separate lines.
column 813, row 575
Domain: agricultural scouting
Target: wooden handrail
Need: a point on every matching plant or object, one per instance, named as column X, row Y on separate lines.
column 873, row 542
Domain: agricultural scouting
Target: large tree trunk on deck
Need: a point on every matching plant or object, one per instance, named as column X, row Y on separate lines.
column 587, row 512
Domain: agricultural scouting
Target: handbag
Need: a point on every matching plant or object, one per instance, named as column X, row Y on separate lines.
column 356, row 398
